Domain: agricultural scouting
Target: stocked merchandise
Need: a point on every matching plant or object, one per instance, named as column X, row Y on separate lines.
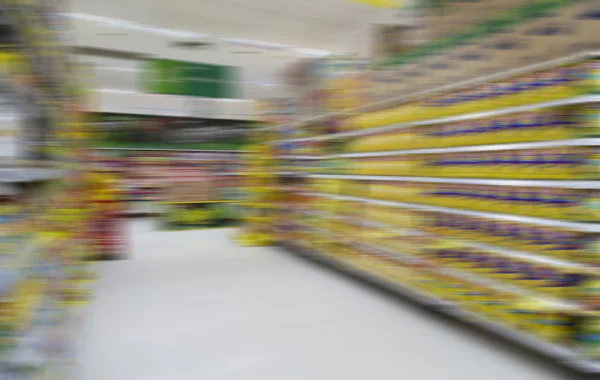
column 539, row 125
column 171, row 181
column 260, row 182
column 559, row 162
column 263, row 185
column 108, row 234
column 479, row 200
column 480, row 38
column 542, row 202
column 205, row 201
column 544, row 86
column 46, row 204
column 44, row 272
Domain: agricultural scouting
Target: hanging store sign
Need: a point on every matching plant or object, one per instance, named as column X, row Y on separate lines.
column 161, row 76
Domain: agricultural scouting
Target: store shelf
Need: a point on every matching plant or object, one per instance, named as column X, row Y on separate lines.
column 175, row 150
column 478, row 148
column 474, row 279
column 308, row 158
column 9, row 278
column 395, row 101
column 576, row 226
column 517, row 254
column 526, row 246
column 586, row 99
column 198, row 202
column 533, row 257
column 290, row 173
column 563, row 184
column 566, row 356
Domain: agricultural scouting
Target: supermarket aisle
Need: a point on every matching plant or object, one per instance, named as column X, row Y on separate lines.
column 194, row 306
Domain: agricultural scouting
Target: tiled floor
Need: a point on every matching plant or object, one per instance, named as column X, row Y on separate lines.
column 194, row 306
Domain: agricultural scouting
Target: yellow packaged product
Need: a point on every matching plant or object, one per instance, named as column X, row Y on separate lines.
column 423, row 137
column 591, row 163
column 588, row 123
column 370, row 144
column 524, row 312
column 556, row 325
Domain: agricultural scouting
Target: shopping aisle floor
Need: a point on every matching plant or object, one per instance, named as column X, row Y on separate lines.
column 192, row 305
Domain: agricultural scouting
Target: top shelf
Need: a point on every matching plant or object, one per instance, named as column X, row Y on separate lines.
column 435, row 91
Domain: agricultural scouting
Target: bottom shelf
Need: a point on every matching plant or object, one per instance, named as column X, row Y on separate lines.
column 564, row 355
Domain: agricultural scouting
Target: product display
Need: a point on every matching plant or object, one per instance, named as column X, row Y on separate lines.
column 481, row 202
column 164, row 181
column 45, row 203
column 260, row 179
column 260, row 182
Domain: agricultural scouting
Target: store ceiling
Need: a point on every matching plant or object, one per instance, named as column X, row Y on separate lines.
column 334, row 25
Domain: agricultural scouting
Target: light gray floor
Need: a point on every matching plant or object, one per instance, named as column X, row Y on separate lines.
column 194, row 306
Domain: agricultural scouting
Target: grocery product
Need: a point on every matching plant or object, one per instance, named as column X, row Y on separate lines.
column 543, row 163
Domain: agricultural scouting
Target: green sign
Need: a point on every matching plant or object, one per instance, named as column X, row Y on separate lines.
column 163, row 76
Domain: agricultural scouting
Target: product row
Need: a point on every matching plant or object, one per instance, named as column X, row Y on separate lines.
column 543, row 319
column 560, row 243
column 544, row 202
column 549, row 163
column 554, row 281
column 543, row 125
column 552, row 84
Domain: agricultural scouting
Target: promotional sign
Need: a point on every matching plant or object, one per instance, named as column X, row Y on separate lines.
column 161, row 76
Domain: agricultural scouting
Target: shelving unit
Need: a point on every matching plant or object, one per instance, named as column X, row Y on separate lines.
column 477, row 199
column 45, row 202
column 261, row 187
column 154, row 181
column 562, row 354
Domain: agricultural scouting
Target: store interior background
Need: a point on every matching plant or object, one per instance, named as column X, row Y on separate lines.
column 197, row 102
